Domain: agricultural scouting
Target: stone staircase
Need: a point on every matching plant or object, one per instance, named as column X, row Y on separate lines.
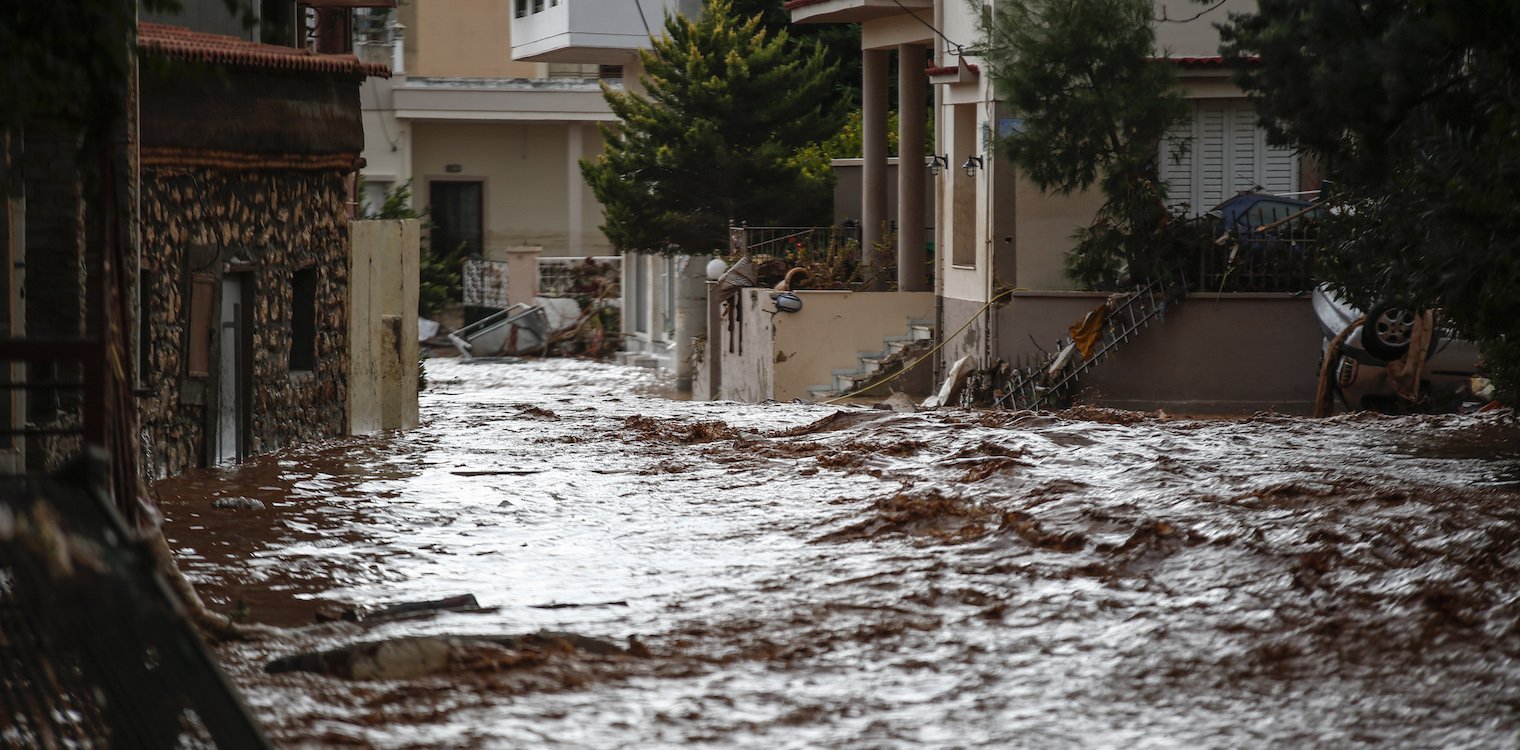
column 872, row 366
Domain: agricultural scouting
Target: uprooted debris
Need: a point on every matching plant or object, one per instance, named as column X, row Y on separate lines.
column 404, row 658
column 407, row 610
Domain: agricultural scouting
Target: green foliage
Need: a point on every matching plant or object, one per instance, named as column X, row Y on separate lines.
column 846, row 144
column 1414, row 112
column 1094, row 109
column 439, row 275
column 715, row 136
column 839, row 41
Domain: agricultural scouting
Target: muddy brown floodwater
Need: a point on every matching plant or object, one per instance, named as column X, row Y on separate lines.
column 808, row 576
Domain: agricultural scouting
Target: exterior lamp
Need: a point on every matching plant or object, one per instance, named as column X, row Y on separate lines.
column 972, row 164
column 937, row 162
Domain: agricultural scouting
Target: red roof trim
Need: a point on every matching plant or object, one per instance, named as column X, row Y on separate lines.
column 950, row 70
column 795, row 4
column 1203, row 62
column 185, row 45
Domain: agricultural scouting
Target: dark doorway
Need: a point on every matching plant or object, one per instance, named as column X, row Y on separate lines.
column 458, row 226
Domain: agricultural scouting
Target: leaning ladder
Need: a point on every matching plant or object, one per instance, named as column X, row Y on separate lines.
column 1048, row 383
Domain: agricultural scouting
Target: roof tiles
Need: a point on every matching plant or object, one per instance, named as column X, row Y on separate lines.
column 187, row 45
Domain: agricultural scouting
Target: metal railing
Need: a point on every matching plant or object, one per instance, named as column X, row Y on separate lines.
column 593, row 276
column 1270, row 249
column 793, row 243
column 50, row 400
column 1048, row 382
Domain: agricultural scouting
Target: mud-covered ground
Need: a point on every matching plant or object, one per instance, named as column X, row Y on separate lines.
column 809, row 576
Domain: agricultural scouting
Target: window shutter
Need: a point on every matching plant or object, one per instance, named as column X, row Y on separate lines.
column 1218, row 152
column 202, row 325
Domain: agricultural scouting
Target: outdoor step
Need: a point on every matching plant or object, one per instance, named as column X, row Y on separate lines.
column 821, row 393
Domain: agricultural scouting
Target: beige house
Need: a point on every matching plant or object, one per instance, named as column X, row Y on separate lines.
column 492, row 107
column 995, row 231
column 586, row 34
column 492, row 145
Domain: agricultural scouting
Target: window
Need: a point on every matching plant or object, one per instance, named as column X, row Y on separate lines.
column 963, row 188
column 144, row 331
column 373, row 198
column 538, row 6
column 457, row 222
column 610, row 72
column 1220, row 151
column 303, row 319
column 522, row 8
column 573, row 70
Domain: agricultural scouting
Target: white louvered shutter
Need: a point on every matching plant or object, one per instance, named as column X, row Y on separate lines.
column 1219, row 152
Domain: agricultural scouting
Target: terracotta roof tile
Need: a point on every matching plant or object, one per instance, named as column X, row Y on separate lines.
column 186, row 45
column 948, row 69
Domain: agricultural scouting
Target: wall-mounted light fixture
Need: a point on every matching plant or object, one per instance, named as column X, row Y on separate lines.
column 937, row 162
column 973, row 163
column 453, row 168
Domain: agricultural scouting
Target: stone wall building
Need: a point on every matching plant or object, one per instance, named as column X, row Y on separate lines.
column 249, row 154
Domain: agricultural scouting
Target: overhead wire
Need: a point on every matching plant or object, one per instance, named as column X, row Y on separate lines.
column 1194, row 17
column 944, row 340
column 959, row 49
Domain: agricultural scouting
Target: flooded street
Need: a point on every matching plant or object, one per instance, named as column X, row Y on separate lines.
column 810, row 576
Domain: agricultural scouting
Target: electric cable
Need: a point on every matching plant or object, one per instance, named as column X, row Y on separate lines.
column 1194, row 17
column 930, row 353
column 959, row 50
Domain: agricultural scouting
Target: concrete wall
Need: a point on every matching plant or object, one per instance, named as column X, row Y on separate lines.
column 848, row 196
column 1213, row 354
column 462, row 38
column 382, row 326
column 1180, row 37
column 528, row 170
column 770, row 355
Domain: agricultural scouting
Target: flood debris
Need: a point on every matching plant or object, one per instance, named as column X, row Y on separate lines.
column 933, row 516
column 854, row 577
column 460, row 603
column 417, row 656
column 237, row 503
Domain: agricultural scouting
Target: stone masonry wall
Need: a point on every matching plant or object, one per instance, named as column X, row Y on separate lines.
column 265, row 225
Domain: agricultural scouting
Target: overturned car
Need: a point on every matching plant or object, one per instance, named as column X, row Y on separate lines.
column 1378, row 367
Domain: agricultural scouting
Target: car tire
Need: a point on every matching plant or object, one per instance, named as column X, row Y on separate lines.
column 1386, row 333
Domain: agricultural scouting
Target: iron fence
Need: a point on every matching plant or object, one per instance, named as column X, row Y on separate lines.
column 1270, row 249
column 794, row 243
column 592, row 276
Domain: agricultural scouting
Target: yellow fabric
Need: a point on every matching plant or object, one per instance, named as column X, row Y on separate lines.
column 1086, row 333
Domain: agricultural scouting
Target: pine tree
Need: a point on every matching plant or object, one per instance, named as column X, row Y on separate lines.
column 718, row 135
column 1094, row 103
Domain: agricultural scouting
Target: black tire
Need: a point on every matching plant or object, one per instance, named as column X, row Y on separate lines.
column 1386, row 333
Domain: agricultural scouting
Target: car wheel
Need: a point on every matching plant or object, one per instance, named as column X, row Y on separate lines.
column 1386, row 333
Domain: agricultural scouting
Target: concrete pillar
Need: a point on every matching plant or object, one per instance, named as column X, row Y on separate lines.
column 522, row 273
column 690, row 313
column 574, row 152
column 713, row 361
column 912, row 113
column 873, row 143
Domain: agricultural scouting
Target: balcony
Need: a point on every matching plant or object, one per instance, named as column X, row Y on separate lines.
column 855, row 11
column 582, row 31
